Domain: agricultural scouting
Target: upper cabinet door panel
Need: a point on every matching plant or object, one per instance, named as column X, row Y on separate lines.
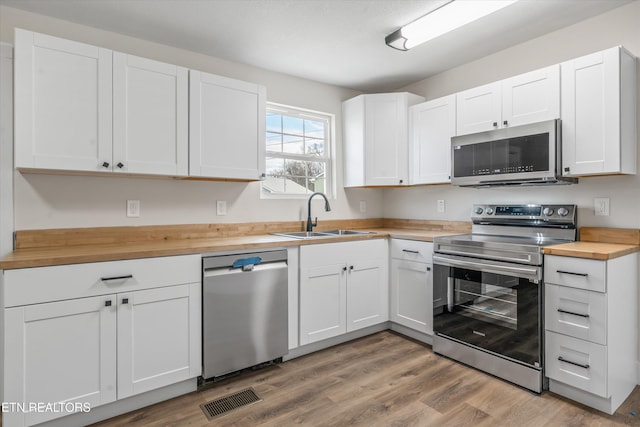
column 599, row 114
column 531, row 97
column 150, row 116
column 432, row 125
column 62, row 104
column 227, row 127
column 385, row 139
column 479, row 109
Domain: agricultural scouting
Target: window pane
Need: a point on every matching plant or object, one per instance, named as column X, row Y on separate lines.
column 292, row 125
column 292, row 144
column 314, row 129
column 314, row 147
column 274, row 122
column 274, row 166
column 274, row 142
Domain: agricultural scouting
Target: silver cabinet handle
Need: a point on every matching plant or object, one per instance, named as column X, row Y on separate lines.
column 571, row 312
column 572, row 273
column 562, row 359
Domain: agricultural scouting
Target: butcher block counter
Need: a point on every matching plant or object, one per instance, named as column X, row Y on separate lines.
column 599, row 243
column 40, row 248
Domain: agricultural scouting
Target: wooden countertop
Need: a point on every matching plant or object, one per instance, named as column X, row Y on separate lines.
column 49, row 256
column 591, row 250
column 599, row 243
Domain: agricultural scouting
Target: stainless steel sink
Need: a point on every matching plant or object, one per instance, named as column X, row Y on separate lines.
column 346, row 232
column 320, row 234
column 303, row 234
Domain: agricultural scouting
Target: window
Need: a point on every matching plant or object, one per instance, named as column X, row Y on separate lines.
column 298, row 160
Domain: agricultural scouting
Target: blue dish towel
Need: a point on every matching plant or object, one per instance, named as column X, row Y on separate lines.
column 246, row 261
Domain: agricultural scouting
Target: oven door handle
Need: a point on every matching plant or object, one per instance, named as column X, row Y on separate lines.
column 531, row 273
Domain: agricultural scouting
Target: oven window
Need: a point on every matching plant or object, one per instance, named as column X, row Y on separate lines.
column 496, row 303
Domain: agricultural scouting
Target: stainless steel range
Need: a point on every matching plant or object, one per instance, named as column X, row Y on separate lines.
column 487, row 289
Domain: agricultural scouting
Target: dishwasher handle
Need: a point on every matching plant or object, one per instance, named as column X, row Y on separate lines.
column 224, row 271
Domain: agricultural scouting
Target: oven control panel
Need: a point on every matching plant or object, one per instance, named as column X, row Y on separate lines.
column 563, row 214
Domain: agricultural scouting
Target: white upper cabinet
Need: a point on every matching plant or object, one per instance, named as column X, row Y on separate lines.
column 526, row 98
column 150, row 114
column 431, row 124
column 375, row 139
column 227, row 127
column 62, row 104
column 599, row 114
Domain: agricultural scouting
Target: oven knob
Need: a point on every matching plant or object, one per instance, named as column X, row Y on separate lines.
column 478, row 210
column 563, row 212
column 489, row 211
column 548, row 211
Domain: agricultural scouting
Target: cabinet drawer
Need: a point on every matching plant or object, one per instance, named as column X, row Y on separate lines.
column 412, row 250
column 579, row 273
column 576, row 312
column 578, row 363
column 61, row 282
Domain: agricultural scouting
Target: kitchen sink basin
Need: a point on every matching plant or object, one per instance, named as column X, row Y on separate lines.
column 303, row 234
column 346, row 232
column 320, row 234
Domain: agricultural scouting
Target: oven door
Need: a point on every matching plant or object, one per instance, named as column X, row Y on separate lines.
column 495, row 306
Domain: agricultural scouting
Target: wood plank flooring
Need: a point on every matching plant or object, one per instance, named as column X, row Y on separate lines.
column 381, row 380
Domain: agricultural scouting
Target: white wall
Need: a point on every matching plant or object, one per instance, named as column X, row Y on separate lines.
column 620, row 26
column 56, row 201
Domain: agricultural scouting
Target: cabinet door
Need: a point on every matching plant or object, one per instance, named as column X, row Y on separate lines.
column 411, row 295
column 367, row 293
column 62, row 104
column 432, row 124
column 150, row 104
column 226, row 127
column 479, row 109
column 591, row 115
column 531, row 97
column 386, row 143
column 60, row 352
column 323, row 303
column 158, row 338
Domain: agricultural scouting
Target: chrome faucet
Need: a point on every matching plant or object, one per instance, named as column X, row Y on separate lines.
column 327, row 208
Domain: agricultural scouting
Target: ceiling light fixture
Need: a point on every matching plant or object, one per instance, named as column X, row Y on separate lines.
column 453, row 14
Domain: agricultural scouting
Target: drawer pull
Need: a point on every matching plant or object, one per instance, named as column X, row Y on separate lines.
column 572, row 273
column 571, row 312
column 410, row 252
column 562, row 359
column 106, row 279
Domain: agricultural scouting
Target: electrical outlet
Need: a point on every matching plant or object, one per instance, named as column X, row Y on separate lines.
column 441, row 206
column 133, row 208
column 363, row 206
column 221, row 207
column 601, row 206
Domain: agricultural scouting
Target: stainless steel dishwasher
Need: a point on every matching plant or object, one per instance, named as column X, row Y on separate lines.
column 244, row 311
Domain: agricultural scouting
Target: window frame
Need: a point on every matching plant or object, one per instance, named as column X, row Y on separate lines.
column 329, row 158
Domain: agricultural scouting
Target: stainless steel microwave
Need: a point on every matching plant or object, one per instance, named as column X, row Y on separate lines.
column 520, row 155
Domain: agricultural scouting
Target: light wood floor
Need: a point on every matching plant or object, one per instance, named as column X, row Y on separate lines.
column 380, row 380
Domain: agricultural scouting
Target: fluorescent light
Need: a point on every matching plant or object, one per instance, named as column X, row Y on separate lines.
column 448, row 17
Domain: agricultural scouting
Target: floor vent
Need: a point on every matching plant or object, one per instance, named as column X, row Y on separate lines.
column 229, row 403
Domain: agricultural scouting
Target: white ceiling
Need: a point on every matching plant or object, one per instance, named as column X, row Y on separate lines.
column 340, row 42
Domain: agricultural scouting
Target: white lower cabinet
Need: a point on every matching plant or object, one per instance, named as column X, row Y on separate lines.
column 591, row 329
column 412, row 284
column 343, row 287
column 98, row 349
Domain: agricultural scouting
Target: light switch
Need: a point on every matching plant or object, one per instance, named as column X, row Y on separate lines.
column 601, row 206
column 440, row 206
column 363, row 206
